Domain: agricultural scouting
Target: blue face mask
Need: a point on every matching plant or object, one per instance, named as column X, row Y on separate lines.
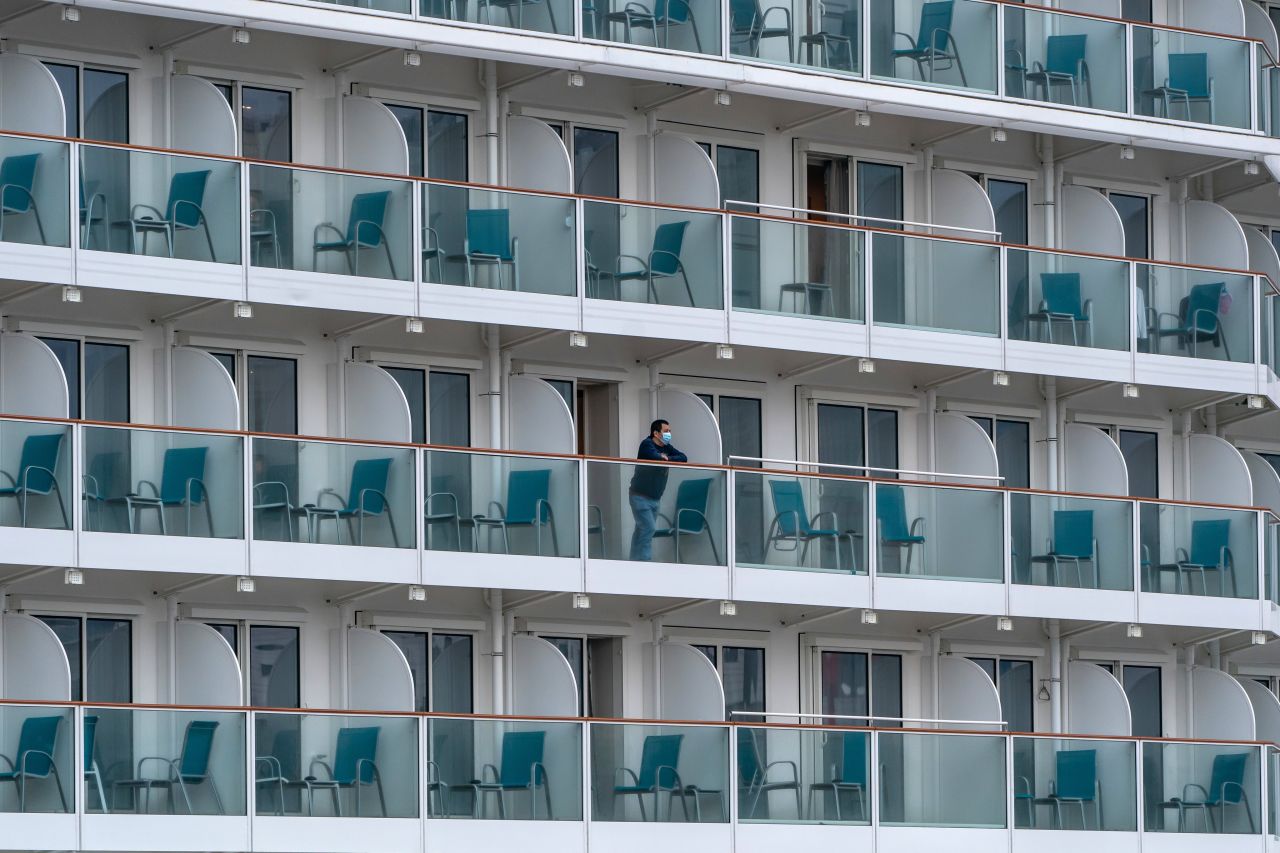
column 666, row 436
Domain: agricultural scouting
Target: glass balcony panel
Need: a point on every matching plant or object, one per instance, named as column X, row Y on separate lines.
column 33, row 182
column 1082, row 543
column 939, row 285
column 501, row 240
column 942, row 780
column 803, row 775
column 503, row 504
column 1271, row 553
column 37, row 749
column 1191, row 77
column 166, row 483
column 1195, row 313
column 325, row 492
column 692, row 26
column 1069, row 784
column 35, row 475
column 1068, row 300
column 949, row 43
column 1273, row 786
column 660, row 773
column 653, row 255
column 327, row 222
column 163, row 205
column 794, row 521
column 825, row 35
column 327, row 765
column 1202, row 788
column 504, row 770
column 145, row 761
column 1065, row 59
column 404, row 7
column 797, row 268
column 655, row 512
column 542, row 16
column 1191, row 550
column 941, row 533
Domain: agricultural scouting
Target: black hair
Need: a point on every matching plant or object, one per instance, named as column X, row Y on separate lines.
column 657, row 426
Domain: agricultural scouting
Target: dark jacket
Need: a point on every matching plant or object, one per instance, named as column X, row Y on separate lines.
column 650, row 481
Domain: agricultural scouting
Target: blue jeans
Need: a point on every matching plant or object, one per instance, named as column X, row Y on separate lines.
column 645, row 511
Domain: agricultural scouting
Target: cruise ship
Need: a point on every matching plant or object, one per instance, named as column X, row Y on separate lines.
column 606, row 426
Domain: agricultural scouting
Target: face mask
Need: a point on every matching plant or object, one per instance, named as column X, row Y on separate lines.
column 666, row 436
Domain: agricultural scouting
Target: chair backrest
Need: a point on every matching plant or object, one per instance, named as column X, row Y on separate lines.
column 1204, row 301
column 1189, row 72
column 18, row 173
column 182, row 464
column 788, row 507
column 692, row 494
column 1077, row 771
column 1061, row 293
column 1208, row 538
column 1227, row 780
column 368, row 211
column 743, row 15
column 891, row 512
column 356, row 750
column 1063, row 54
column 660, row 751
column 39, row 736
column 40, row 452
column 748, row 756
column 935, row 24
column 675, row 11
column 286, row 749
column 524, row 490
column 369, row 474
column 90, row 738
column 668, row 240
column 1073, row 533
column 197, row 748
column 853, row 758
column 520, row 751
column 489, row 233
column 186, row 198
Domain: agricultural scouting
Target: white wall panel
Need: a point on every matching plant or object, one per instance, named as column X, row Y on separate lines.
column 204, row 395
column 378, row 676
column 207, row 667
column 202, row 118
column 1094, row 463
column 1096, row 703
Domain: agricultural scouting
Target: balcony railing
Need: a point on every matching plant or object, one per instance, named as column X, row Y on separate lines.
column 807, row 518
column 125, row 764
column 987, row 48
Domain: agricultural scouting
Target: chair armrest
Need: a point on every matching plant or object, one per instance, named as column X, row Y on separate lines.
column 133, row 211
column 22, row 760
column 662, row 252
column 1204, row 794
column 272, row 764
column 795, row 771
column 697, row 512
column 360, row 498
column 826, row 513
column 786, row 13
column 675, row 775
column 85, row 480
column 486, row 769
column 501, row 510
column 9, row 761
column 1225, row 559
column 26, row 476
column 644, row 267
column 373, row 767
column 168, row 763
column 1193, row 322
column 155, row 490
column 917, row 524
column 635, row 780
column 1088, row 309
column 538, row 773
column 185, row 203
column 361, row 223
column 195, row 485
column 266, row 215
column 311, row 769
column 320, row 496
column 1082, row 69
column 450, row 495
column 538, row 506
column 259, row 491
column 315, row 234
column 4, row 189
column 910, row 39
column 12, row 482
column 1180, row 555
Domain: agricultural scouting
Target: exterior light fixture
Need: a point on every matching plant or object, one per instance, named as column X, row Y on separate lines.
column 414, row 325
column 73, row 577
column 724, row 99
column 1000, row 379
column 1130, row 392
column 1259, row 638
column 576, row 80
column 578, row 339
column 70, row 14
column 870, row 617
column 72, row 294
column 417, row 593
column 245, row 584
column 724, row 352
column 728, row 608
column 242, row 311
column 240, row 36
column 999, row 134
column 1004, row 623
column 1127, row 152
column 581, row 601
column 1133, row 631
column 412, row 59
column 1255, row 401
column 866, row 365
column 1251, row 167
column 862, row 119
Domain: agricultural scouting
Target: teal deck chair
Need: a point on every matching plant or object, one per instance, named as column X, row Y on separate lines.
column 34, row 759
column 17, row 191
column 934, row 48
column 753, row 775
column 690, row 517
column 354, row 769
column 366, row 498
column 181, row 486
column 365, row 230
column 37, row 475
column 1064, row 66
column 1061, row 303
column 1076, row 783
column 528, row 505
column 184, row 211
column 891, row 519
column 850, row 778
column 489, row 243
column 1210, row 551
column 1189, row 82
column 749, row 26
column 1198, row 320
column 1073, row 543
column 663, row 262
column 658, row 774
column 521, row 768
column 1226, row 788
column 91, row 768
column 659, row 19
column 791, row 525
column 190, row 769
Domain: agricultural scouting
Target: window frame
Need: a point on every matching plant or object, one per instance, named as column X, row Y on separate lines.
column 430, row 633
column 82, row 342
column 81, row 66
column 84, row 618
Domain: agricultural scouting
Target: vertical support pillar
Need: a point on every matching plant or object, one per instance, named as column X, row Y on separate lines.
column 1051, row 430
column 1055, row 676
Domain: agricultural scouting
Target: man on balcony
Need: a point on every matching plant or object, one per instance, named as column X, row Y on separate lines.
column 647, row 485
